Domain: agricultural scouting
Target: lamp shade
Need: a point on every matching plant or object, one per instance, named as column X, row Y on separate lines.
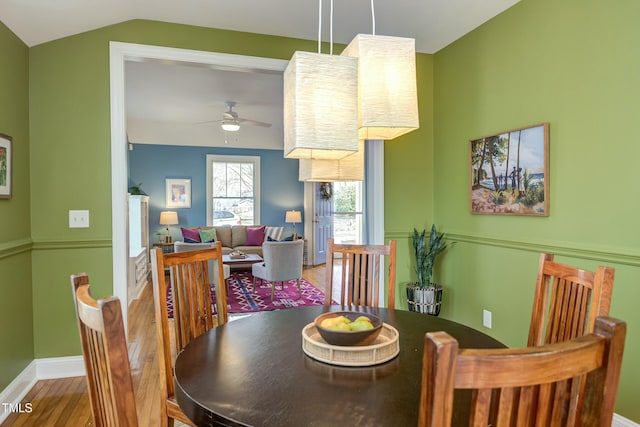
column 350, row 168
column 320, row 106
column 293, row 217
column 387, row 93
column 168, row 218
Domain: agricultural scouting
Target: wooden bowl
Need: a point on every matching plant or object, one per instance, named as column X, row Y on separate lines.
column 348, row 338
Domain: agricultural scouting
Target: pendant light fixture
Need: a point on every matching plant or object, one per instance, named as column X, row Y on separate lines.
column 320, row 103
column 350, row 168
column 387, row 93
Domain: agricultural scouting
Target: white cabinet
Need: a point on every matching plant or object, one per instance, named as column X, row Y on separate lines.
column 138, row 273
column 138, row 267
column 139, row 222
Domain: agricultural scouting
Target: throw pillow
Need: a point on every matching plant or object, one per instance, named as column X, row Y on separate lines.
column 191, row 235
column 275, row 233
column 255, row 236
column 208, row 235
column 286, row 239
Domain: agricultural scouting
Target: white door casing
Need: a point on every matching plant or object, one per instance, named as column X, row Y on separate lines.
column 118, row 54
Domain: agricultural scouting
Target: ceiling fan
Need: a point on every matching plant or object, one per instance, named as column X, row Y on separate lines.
column 231, row 121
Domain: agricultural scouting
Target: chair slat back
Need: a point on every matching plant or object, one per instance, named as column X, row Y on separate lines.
column 192, row 311
column 567, row 301
column 106, row 359
column 360, row 273
column 572, row 383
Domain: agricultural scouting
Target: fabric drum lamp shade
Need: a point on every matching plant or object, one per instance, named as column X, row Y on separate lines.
column 320, row 106
column 350, row 168
column 168, row 218
column 293, row 217
column 387, row 93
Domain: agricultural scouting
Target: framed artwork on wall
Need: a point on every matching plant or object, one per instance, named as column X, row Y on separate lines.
column 509, row 172
column 6, row 155
column 178, row 192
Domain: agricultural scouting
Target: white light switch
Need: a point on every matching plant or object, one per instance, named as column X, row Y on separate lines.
column 486, row 319
column 78, row 219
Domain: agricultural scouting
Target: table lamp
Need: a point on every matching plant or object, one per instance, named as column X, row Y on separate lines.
column 168, row 218
column 293, row 217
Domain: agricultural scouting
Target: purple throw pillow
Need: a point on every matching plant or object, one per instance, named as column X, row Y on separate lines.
column 255, row 236
column 191, row 235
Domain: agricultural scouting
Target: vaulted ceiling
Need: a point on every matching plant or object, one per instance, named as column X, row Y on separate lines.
column 175, row 98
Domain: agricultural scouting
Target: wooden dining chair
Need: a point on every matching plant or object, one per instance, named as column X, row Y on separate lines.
column 572, row 383
column 567, row 301
column 106, row 359
column 190, row 281
column 360, row 273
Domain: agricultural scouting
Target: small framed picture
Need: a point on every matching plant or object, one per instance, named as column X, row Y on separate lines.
column 178, row 192
column 6, row 155
column 509, row 172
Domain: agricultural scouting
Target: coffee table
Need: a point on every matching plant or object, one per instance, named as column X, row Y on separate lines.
column 238, row 263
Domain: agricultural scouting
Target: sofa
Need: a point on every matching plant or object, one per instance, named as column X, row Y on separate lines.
column 244, row 238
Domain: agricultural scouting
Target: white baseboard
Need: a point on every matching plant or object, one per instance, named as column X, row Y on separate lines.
column 39, row 369
column 73, row 366
column 60, row 367
column 620, row 421
column 18, row 388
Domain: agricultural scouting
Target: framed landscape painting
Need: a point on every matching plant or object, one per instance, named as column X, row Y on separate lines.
column 509, row 172
column 6, row 154
column 178, row 192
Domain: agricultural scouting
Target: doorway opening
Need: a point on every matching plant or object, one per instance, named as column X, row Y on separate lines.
column 119, row 53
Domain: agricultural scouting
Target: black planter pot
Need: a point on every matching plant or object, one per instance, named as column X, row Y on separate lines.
column 424, row 300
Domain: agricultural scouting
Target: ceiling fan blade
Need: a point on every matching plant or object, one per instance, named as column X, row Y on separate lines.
column 254, row 123
column 208, row 121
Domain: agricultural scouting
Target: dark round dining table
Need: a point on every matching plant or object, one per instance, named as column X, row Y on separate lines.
column 253, row 372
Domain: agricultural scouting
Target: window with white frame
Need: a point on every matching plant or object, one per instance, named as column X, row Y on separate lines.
column 233, row 190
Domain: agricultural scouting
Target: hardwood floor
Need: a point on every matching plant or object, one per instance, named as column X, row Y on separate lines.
column 65, row 403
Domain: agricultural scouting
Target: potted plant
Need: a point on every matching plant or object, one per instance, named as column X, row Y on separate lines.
column 136, row 190
column 424, row 296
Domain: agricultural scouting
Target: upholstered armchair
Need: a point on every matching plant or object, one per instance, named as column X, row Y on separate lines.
column 282, row 262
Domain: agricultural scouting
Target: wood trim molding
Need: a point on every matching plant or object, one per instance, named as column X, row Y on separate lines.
column 15, row 247
column 41, row 245
column 604, row 255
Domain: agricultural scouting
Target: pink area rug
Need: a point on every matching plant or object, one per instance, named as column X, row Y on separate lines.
column 242, row 299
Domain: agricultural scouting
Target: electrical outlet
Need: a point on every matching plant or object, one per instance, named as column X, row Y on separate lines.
column 486, row 319
column 78, row 219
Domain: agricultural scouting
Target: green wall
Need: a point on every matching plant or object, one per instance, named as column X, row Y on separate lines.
column 572, row 64
column 71, row 145
column 70, row 122
column 409, row 180
column 16, row 316
column 576, row 65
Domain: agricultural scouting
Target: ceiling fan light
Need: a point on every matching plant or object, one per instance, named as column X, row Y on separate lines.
column 320, row 106
column 350, row 168
column 387, row 93
column 230, row 126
